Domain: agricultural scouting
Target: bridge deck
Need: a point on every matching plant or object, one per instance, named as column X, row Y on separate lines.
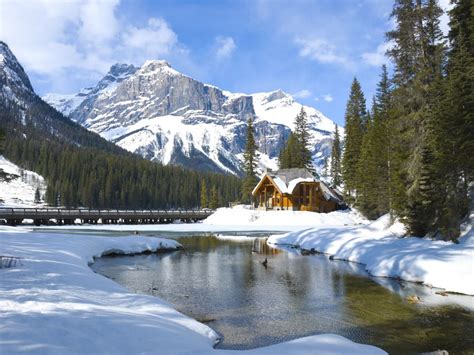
column 61, row 215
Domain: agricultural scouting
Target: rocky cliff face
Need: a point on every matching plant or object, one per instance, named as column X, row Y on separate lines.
column 168, row 117
column 14, row 83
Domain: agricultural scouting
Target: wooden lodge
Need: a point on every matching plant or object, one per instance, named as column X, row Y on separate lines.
column 297, row 190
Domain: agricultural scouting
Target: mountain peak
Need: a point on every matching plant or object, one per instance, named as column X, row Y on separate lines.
column 157, row 66
column 12, row 73
column 119, row 69
column 157, row 63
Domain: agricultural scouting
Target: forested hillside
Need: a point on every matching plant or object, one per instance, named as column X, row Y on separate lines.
column 83, row 169
column 412, row 154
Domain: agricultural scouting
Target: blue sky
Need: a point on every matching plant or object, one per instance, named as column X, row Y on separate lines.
column 311, row 49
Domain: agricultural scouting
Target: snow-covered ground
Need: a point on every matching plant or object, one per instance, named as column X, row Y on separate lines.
column 243, row 219
column 18, row 186
column 51, row 302
column 380, row 247
column 243, row 216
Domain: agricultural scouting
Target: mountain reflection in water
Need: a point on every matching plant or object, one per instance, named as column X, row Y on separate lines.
column 224, row 284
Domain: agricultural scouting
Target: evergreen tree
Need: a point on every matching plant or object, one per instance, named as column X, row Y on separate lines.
column 453, row 121
column 355, row 126
column 418, row 55
column 204, row 198
column 366, row 174
column 296, row 153
column 288, row 157
column 214, row 202
column 325, row 171
column 302, row 135
column 250, row 164
column 336, row 178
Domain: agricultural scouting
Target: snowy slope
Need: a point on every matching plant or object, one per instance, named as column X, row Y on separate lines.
column 166, row 116
column 66, row 103
column 18, row 186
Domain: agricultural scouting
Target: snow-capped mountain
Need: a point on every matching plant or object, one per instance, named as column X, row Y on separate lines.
column 166, row 116
column 67, row 103
column 14, row 83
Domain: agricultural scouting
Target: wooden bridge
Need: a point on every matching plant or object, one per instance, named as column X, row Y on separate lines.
column 58, row 216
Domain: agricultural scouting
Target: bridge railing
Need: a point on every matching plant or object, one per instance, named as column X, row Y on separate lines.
column 63, row 213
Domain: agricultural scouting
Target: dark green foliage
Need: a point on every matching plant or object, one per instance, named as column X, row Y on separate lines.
column 356, row 122
column 336, row 174
column 296, row 153
column 204, row 195
column 249, row 164
column 416, row 158
column 82, row 169
column 288, row 154
column 214, row 201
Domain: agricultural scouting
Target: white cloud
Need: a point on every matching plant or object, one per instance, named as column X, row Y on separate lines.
column 327, row 98
column 378, row 57
column 98, row 21
column 316, row 99
column 320, row 50
column 54, row 37
column 156, row 39
column 225, row 46
column 302, row 94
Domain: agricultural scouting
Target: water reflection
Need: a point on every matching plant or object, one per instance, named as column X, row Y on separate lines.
column 224, row 283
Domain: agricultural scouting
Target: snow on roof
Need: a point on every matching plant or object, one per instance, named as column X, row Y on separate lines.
column 329, row 193
column 280, row 184
column 286, row 181
column 292, row 184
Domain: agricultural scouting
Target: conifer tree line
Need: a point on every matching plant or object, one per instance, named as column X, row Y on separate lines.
column 296, row 153
column 412, row 154
column 83, row 170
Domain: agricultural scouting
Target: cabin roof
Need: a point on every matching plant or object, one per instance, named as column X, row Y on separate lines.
column 286, row 180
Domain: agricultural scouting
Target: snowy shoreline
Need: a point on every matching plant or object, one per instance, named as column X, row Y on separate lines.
column 52, row 302
column 383, row 251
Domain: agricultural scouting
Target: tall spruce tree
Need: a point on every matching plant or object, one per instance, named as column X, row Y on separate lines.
column 418, row 55
column 453, row 122
column 296, row 152
column 303, row 135
column 249, row 164
column 336, row 175
column 355, row 126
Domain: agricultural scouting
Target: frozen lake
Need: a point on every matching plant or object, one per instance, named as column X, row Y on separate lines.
column 223, row 283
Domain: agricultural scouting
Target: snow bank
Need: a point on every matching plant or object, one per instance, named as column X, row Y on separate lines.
column 53, row 303
column 380, row 247
column 285, row 220
column 18, row 186
column 240, row 218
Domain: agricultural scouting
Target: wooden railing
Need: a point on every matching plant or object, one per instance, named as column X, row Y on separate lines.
column 40, row 214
